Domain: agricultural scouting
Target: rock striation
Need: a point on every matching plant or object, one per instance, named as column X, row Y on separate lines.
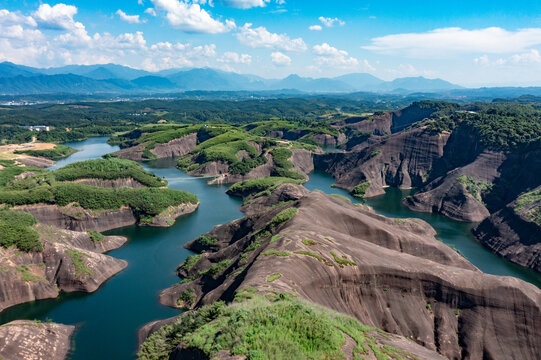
column 70, row 261
column 388, row 273
column 30, row 340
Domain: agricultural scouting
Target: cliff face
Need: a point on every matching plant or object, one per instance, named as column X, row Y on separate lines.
column 390, row 274
column 78, row 219
column 401, row 160
column 302, row 160
column 513, row 235
column 31, row 340
column 115, row 184
column 173, row 148
column 70, row 261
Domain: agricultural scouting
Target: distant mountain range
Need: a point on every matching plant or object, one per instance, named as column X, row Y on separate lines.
column 111, row 78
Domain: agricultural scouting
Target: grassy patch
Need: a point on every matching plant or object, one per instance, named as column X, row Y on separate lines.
column 529, row 205
column 274, row 277
column 314, row 255
column 282, row 217
column 187, row 298
column 473, row 186
column 205, row 240
column 274, row 238
column 27, row 276
column 260, row 329
column 216, row 268
column 95, row 236
column 342, row 261
column 341, row 197
column 190, row 261
column 283, row 168
column 78, row 262
column 309, row 242
column 275, row 253
column 360, row 190
column 254, row 186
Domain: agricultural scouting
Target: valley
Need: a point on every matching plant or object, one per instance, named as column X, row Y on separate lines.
column 272, row 166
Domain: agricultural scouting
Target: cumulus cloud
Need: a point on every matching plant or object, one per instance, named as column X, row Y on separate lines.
column 330, row 22
column 190, row 17
column 231, row 57
column 315, row 28
column 438, row 42
column 22, row 42
column 260, row 37
column 280, row 59
column 151, row 12
column 331, row 56
column 531, row 57
column 132, row 19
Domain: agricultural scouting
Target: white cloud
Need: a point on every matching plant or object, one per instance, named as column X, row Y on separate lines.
column 151, row 12
column 330, row 22
column 331, row 56
column 58, row 17
column 190, row 17
column 439, row 42
column 132, row 19
column 315, row 28
column 280, row 59
column 260, row 37
column 527, row 58
column 140, row 2
column 22, row 42
column 231, row 57
column 246, row 4
column 15, row 18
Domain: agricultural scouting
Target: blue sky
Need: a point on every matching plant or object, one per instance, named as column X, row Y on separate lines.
column 472, row 43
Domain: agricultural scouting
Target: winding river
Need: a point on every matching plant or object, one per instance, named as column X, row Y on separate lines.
column 107, row 320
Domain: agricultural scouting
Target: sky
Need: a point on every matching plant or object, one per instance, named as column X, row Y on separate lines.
column 470, row 43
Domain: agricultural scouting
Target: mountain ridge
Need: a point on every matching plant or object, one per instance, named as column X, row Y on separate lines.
column 21, row 80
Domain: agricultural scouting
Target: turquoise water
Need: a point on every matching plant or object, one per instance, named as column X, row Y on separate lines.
column 107, row 320
column 455, row 233
column 92, row 148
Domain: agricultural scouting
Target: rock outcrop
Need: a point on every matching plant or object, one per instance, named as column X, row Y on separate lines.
column 30, row 340
column 70, row 261
column 173, row 148
column 513, row 235
column 401, row 160
column 115, row 184
column 388, row 273
column 78, row 219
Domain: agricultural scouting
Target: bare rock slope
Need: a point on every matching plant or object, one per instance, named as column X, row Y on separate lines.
column 31, row 340
column 390, row 274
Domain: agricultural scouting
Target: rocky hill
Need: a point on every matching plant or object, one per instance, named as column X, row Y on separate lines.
column 387, row 273
column 467, row 165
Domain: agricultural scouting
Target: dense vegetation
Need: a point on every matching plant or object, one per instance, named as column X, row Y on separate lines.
column 10, row 171
column 278, row 327
column 57, row 153
column 529, row 204
column 108, row 169
column 16, row 229
column 49, row 187
column 505, row 127
column 79, row 120
column 261, row 186
column 145, row 201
